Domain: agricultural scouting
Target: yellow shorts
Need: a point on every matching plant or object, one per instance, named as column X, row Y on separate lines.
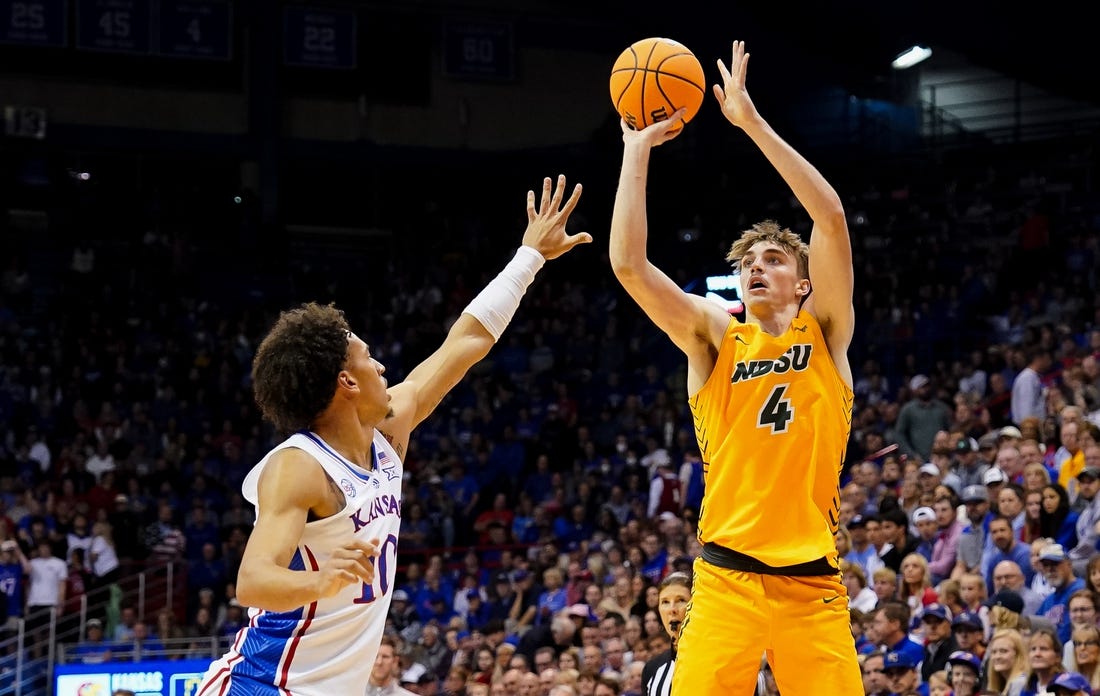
column 735, row 618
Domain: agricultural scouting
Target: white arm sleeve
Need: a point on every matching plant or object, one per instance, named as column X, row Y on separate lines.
column 495, row 305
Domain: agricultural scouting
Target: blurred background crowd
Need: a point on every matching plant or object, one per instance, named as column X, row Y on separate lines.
column 563, row 473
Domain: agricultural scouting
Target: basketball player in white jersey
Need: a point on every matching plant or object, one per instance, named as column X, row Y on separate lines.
column 319, row 568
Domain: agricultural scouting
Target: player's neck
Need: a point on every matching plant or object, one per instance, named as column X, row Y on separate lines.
column 345, row 434
column 773, row 323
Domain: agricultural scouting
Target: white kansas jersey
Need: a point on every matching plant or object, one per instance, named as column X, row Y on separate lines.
column 328, row 647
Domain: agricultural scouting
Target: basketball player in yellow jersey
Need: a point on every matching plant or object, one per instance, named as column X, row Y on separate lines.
column 772, row 400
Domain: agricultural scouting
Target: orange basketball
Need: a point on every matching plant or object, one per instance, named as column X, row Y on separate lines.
column 653, row 78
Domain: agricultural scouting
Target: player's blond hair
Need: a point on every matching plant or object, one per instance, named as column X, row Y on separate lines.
column 770, row 231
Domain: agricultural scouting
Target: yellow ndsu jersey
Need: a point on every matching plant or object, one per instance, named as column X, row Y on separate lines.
column 772, row 423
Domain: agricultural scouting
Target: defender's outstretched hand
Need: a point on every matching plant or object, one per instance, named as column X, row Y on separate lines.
column 546, row 224
column 731, row 94
column 655, row 133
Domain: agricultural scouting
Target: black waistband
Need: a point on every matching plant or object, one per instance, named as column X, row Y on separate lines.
column 734, row 560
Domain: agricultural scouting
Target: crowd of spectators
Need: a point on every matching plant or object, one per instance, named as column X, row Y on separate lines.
column 561, row 481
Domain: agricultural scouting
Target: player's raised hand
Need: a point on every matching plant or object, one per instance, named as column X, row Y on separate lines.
column 656, row 133
column 731, row 94
column 350, row 564
column 546, row 222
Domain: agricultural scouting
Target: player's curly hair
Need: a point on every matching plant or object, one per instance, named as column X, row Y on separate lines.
column 294, row 372
column 770, row 231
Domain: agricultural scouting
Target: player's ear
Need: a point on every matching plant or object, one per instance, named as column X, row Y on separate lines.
column 345, row 380
column 803, row 287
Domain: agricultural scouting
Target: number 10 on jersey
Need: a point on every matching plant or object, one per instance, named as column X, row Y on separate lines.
column 387, row 555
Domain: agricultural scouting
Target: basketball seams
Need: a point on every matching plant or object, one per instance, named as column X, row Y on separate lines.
column 633, row 69
column 626, row 88
column 629, row 82
column 681, row 78
column 664, row 60
column 663, row 74
column 655, row 67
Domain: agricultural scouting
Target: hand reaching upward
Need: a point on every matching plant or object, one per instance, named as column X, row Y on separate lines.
column 546, row 222
column 731, row 94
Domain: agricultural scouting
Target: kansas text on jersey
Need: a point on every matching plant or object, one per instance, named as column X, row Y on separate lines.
column 328, row 647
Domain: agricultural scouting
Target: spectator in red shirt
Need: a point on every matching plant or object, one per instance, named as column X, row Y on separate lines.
column 499, row 512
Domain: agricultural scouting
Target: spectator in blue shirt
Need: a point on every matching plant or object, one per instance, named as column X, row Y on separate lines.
column 479, row 613
column 1005, row 547
column 463, row 489
column 656, row 556
column 235, row 619
column 141, row 646
column 202, row 529
column 13, row 567
column 890, row 626
column 1058, row 571
column 94, row 649
column 208, row 571
column 900, row 669
column 572, row 526
column 553, row 597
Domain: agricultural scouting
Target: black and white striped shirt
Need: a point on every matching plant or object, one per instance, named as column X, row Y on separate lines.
column 657, row 675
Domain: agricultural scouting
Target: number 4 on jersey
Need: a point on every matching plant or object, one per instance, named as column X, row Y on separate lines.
column 777, row 412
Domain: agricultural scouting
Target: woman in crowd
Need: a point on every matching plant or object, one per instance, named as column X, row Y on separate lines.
column 859, row 595
column 168, row 632
column 1001, row 616
column 597, row 565
column 569, row 659
column 102, row 556
column 950, row 593
column 484, row 663
column 1056, row 520
column 503, row 656
column 1086, row 655
column 673, row 598
column 651, row 624
column 1036, row 476
column 909, row 490
column 843, row 540
column 884, row 581
column 634, row 637
column 203, row 632
column 618, row 598
column 1007, row 663
column 916, row 584
column 1044, row 655
column 1092, row 574
column 1082, row 614
column 1033, row 508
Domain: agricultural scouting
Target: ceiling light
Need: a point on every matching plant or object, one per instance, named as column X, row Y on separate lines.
column 910, row 57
